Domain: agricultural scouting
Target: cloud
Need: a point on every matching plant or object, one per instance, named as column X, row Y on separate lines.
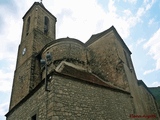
column 5, row 81
column 148, row 71
column 153, row 44
column 76, row 19
column 111, row 6
column 127, row 12
column 95, row 19
column 130, row 47
column 145, row 1
column 140, row 12
column 149, row 4
column 73, row 21
column 140, row 41
column 143, row 9
column 131, row 1
column 129, row 20
column 3, row 108
column 155, row 84
column 10, row 37
column 151, row 21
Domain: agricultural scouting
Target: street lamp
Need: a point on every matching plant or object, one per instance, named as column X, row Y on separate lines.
column 45, row 63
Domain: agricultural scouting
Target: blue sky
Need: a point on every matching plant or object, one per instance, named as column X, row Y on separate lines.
column 137, row 22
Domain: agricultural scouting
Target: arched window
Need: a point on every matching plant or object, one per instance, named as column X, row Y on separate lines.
column 28, row 25
column 46, row 25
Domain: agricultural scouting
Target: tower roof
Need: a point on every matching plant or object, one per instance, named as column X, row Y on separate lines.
column 41, row 5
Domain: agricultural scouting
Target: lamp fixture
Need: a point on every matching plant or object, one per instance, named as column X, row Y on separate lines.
column 45, row 62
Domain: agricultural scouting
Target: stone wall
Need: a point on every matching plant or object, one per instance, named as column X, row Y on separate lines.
column 72, row 99
column 148, row 104
column 106, row 62
column 21, row 83
column 155, row 91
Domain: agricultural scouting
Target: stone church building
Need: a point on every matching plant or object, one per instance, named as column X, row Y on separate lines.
column 65, row 79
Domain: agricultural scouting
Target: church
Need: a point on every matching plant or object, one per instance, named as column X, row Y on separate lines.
column 66, row 79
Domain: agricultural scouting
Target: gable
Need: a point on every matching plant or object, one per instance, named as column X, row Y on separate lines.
column 96, row 37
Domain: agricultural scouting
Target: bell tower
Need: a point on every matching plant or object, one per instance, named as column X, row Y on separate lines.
column 38, row 30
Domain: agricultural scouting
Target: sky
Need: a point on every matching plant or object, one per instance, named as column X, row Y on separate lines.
column 137, row 22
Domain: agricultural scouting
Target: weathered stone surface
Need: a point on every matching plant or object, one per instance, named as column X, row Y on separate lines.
column 105, row 61
column 72, row 99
